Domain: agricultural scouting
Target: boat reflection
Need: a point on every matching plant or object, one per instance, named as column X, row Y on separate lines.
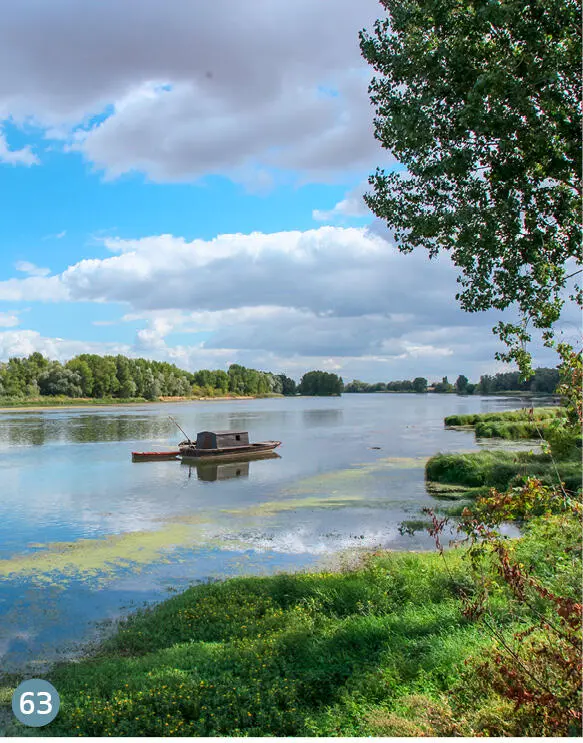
column 211, row 471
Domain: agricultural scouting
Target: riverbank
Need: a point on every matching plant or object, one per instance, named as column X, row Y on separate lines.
column 386, row 648
column 76, row 403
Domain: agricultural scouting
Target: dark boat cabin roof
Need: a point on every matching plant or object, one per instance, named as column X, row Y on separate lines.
column 221, row 433
column 221, row 439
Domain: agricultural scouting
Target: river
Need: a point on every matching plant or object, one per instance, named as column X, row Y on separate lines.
column 86, row 535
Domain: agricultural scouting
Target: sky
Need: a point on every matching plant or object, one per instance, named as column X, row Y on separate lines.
column 183, row 181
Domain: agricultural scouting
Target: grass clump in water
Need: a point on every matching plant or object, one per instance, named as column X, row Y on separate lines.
column 501, row 469
column 507, row 416
column 518, row 430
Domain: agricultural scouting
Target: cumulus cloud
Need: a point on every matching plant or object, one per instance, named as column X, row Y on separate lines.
column 33, row 288
column 339, row 271
column 179, row 90
column 336, row 295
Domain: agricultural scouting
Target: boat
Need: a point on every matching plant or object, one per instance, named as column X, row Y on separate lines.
column 152, row 456
column 231, row 445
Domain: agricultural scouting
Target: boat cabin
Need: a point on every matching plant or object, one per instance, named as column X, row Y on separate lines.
column 221, row 439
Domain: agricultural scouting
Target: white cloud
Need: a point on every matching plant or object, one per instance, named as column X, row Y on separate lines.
column 24, row 156
column 57, row 236
column 352, row 205
column 31, row 269
column 8, row 320
column 25, row 342
column 343, row 296
column 34, row 289
column 342, row 271
column 195, row 88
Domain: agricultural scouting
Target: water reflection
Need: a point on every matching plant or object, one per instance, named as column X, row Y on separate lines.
column 326, row 417
column 211, row 472
column 36, row 430
column 83, row 532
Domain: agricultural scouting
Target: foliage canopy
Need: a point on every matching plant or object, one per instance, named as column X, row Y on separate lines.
column 480, row 101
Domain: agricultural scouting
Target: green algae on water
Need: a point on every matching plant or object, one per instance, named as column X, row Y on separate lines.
column 98, row 558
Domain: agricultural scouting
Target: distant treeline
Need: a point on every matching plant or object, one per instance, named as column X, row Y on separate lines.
column 93, row 376
column 544, row 381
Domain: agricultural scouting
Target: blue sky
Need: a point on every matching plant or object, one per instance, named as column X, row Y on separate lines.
column 189, row 188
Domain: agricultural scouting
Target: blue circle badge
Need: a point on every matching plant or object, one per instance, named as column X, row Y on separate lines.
column 35, row 703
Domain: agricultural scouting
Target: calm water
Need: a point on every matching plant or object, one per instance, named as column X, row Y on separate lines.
column 85, row 534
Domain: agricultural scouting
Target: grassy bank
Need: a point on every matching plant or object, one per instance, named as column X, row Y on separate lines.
column 377, row 650
column 8, row 403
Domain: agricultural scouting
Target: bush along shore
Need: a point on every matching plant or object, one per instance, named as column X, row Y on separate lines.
column 481, row 639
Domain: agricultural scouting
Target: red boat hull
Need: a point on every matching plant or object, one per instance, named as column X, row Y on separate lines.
column 152, row 456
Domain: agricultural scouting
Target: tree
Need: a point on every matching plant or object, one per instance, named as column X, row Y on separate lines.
column 58, row 380
column 152, row 387
column 461, row 385
column 443, row 386
column 420, row 384
column 83, row 369
column 321, row 383
column 128, row 388
column 288, row 385
column 545, row 380
column 357, row 386
column 481, row 102
column 487, row 384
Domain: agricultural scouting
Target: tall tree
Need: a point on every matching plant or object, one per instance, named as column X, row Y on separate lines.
column 321, row 383
column 461, row 384
column 480, row 100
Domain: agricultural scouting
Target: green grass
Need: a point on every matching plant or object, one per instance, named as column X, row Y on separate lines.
column 60, row 400
column 515, row 430
column 309, row 654
column 507, row 416
column 57, row 401
column 500, row 469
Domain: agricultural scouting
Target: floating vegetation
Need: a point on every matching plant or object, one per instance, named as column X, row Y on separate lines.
column 98, row 558
column 454, row 492
column 411, row 526
column 356, row 475
column 291, row 504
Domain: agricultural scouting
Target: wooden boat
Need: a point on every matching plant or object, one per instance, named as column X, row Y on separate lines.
column 231, row 445
column 152, row 456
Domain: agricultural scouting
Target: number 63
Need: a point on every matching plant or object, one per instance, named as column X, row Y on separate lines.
column 27, row 704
